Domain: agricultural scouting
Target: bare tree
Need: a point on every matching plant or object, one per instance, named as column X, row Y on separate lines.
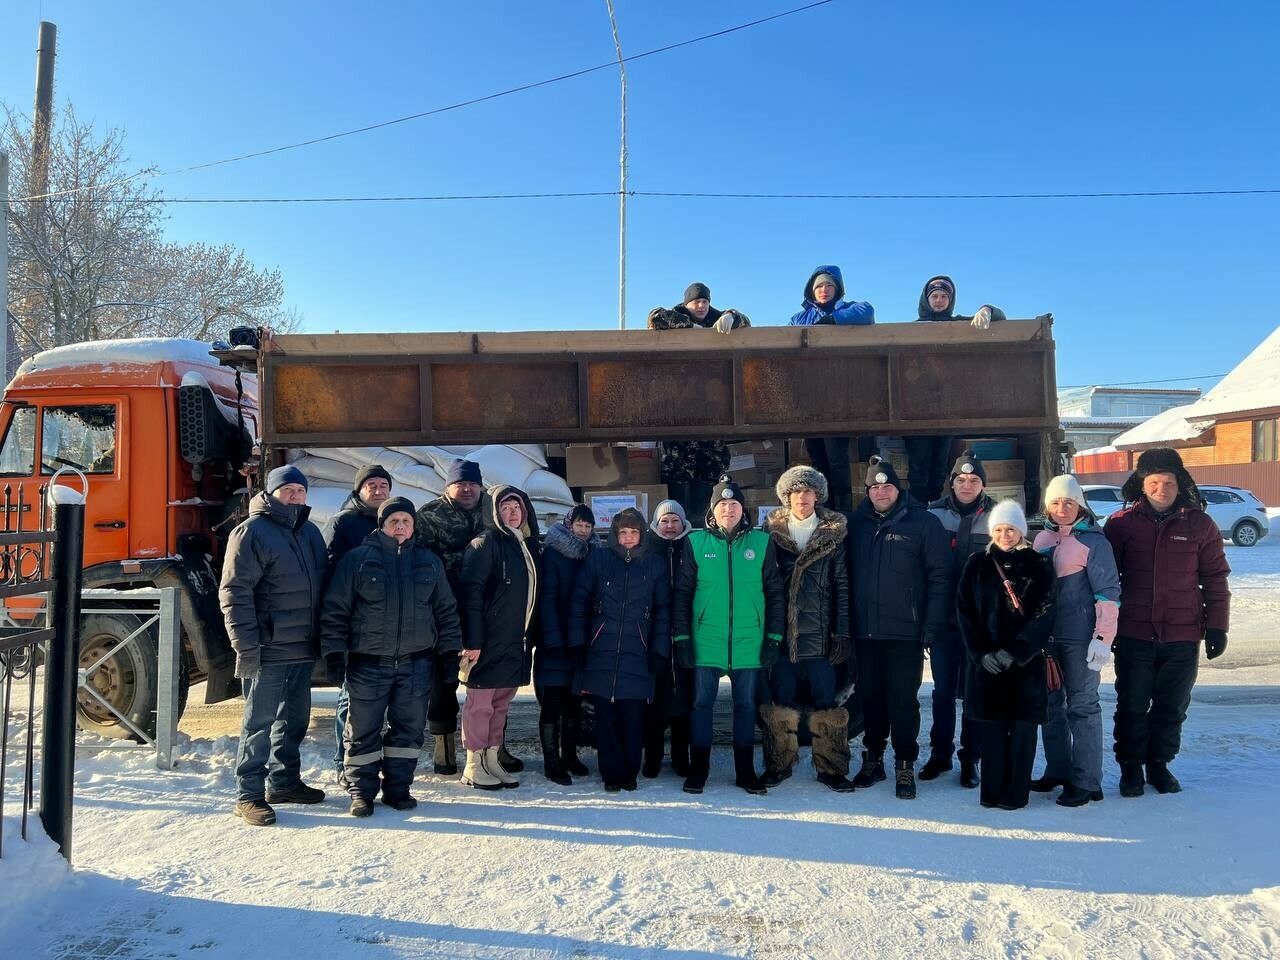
column 89, row 260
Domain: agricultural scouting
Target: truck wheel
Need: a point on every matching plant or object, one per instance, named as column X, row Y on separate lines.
column 127, row 679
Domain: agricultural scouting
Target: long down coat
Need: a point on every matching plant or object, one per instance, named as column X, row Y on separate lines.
column 817, row 583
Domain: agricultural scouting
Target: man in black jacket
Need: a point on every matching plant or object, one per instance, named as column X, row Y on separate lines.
column 271, row 584
column 387, row 614
column 902, row 591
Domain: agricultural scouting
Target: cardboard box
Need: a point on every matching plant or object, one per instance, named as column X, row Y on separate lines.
column 644, row 466
column 756, row 478
column 760, row 503
column 762, row 454
column 555, row 450
column 597, row 465
column 605, row 504
column 1005, row 471
column 1009, row 491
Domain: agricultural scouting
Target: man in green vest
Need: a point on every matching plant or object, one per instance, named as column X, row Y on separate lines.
column 728, row 619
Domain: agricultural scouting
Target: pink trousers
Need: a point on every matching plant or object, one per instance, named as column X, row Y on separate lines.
column 484, row 714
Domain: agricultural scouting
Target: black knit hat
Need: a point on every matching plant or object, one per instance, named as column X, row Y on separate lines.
column 880, row 470
column 726, row 488
column 968, row 464
column 1161, row 460
column 395, row 505
column 368, row 471
column 463, row 471
column 580, row 512
column 629, row 519
column 696, row 291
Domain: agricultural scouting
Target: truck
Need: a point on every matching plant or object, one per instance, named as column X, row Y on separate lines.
column 162, row 428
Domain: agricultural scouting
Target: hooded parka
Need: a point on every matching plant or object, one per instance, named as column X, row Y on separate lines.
column 562, row 557
column 816, row 581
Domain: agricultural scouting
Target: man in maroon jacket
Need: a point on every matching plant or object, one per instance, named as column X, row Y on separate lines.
column 1173, row 593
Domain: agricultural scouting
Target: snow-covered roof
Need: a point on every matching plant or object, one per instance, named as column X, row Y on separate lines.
column 1169, row 426
column 1093, row 450
column 1254, row 385
column 142, row 351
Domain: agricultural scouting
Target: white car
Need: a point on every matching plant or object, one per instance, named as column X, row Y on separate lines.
column 1240, row 515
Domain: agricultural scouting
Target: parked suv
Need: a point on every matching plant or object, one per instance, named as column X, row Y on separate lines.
column 1240, row 515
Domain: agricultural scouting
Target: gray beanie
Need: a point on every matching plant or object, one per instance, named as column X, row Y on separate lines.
column 800, row 478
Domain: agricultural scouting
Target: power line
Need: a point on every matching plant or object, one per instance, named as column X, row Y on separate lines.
column 454, row 106
column 1140, row 383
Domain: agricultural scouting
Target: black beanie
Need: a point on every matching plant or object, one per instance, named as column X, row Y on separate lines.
column 395, row 505
column 969, row 464
column 696, row 291
column 580, row 512
column 463, row 471
column 880, row 470
column 371, row 470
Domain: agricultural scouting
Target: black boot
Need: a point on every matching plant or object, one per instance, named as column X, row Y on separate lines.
column 1047, row 784
column 680, row 745
column 569, row 748
column 551, row 767
column 744, row 768
column 1131, row 780
column 935, row 767
column 872, row 769
column 905, row 779
column 1159, row 776
column 969, row 775
column 699, row 769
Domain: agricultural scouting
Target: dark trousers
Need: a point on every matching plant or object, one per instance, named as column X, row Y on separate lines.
column 890, row 673
column 397, row 693
column 442, row 702
column 830, row 457
column 928, row 466
column 557, row 704
column 706, row 684
column 1153, row 691
column 277, row 710
column 821, row 675
column 657, row 714
column 947, row 658
column 340, row 723
column 619, row 739
column 1008, row 753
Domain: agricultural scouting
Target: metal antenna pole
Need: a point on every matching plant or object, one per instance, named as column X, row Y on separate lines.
column 622, row 190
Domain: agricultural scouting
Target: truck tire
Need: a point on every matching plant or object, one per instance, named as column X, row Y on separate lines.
column 128, row 680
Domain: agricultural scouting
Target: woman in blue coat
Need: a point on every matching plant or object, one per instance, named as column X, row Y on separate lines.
column 621, row 620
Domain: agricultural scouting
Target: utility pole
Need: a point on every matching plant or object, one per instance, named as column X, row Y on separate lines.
column 622, row 189
column 42, row 125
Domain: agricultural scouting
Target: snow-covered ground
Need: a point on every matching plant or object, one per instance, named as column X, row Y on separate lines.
column 162, row 868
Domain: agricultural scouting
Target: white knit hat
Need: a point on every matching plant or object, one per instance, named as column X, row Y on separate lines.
column 1065, row 487
column 1010, row 512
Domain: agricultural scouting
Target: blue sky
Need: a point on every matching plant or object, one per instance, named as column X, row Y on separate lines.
column 849, row 97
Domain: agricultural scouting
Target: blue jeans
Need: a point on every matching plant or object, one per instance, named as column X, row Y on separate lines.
column 706, row 684
column 948, row 659
column 1073, row 723
column 397, row 694
column 277, row 710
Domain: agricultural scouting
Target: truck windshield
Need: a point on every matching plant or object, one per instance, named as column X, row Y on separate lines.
column 18, row 454
column 80, row 436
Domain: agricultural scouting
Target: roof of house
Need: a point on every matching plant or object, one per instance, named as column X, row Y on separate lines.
column 1169, row 428
column 1251, row 389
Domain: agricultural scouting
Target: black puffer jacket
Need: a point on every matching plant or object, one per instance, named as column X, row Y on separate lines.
column 901, row 573
column 679, row 318
column 562, row 557
column 817, row 583
column 989, row 622
column 349, row 527
column 272, row 581
column 621, row 612
column 499, row 586
column 389, row 600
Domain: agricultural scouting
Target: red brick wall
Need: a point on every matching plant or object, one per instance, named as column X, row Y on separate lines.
column 1235, row 442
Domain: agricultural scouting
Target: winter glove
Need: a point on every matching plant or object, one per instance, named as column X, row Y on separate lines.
column 1099, row 654
column 335, row 668
column 997, row 662
column 927, row 640
column 449, row 667
column 657, row 664
column 1215, row 643
column 725, row 323
column 684, row 654
column 841, row 647
column 982, row 319
column 769, row 653
column 249, row 663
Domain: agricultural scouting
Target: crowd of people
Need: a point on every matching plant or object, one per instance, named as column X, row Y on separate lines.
column 815, row 616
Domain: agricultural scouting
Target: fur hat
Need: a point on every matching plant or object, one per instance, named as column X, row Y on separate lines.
column 1010, row 512
column 463, row 471
column 580, row 512
column 1065, row 487
column 369, row 471
column 696, row 291
column 880, row 470
column 395, row 505
column 278, row 477
column 1160, row 460
column 800, row 478
column 968, row 464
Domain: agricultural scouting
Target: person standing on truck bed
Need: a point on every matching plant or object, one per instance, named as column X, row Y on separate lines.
column 728, row 619
column 271, row 590
column 927, row 457
column 824, row 303
column 347, row 530
column 446, row 525
column 902, row 591
column 387, row 612
column 690, row 467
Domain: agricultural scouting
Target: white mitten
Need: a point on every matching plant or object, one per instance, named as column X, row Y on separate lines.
column 1099, row 654
column 982, row 319
column 725, row 323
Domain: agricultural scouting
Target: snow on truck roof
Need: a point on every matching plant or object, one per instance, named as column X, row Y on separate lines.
column 151, row 360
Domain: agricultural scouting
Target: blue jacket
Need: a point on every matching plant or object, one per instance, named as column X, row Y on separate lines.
column 621, row 613
column 839, row 310
column 902, row 580
column 562, row 557
column 1088, row 581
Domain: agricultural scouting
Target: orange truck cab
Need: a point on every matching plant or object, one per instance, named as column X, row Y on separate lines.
column 159, row 428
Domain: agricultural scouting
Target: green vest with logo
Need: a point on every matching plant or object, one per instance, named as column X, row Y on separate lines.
column 728, row 602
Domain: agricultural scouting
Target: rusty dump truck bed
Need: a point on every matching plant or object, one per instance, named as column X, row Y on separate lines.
column 448, row 388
